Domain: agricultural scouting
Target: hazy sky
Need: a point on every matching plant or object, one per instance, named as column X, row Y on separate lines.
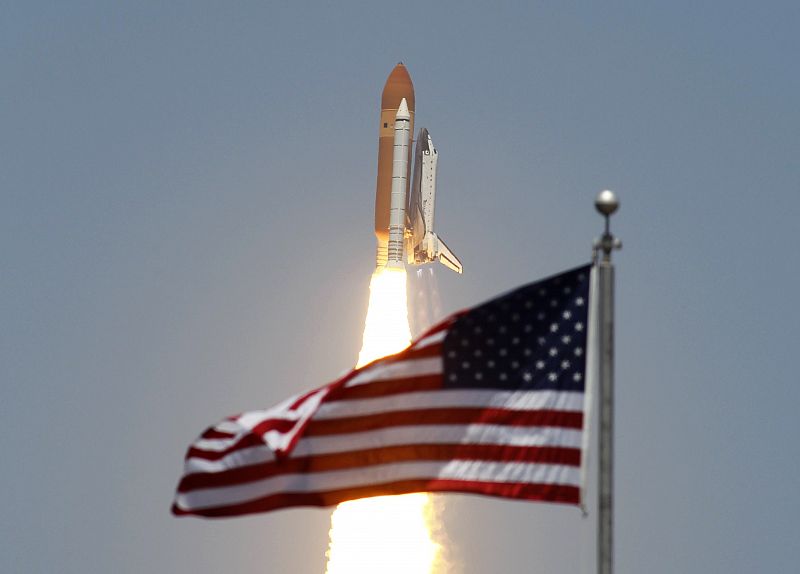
column 186, row 228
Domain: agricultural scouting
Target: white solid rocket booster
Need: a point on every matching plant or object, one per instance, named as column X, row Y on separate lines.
column 397, row 209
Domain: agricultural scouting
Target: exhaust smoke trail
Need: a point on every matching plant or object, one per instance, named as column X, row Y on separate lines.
column 425, row 303
column 386, row 534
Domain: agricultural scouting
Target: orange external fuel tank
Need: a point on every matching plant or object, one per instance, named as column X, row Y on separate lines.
column 398, row 86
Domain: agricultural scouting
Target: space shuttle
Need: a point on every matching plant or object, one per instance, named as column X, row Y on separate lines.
column 404, row 214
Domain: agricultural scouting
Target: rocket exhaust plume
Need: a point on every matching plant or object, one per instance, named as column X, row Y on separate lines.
column 392, row 534
column 386, row 534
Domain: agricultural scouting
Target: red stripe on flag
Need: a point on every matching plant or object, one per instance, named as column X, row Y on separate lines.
column 213, row 433
column 434, row 350
column 281, row 425
column 386, row 388
column 382, row 455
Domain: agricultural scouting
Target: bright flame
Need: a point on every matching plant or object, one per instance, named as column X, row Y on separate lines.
column 386, row 534
column 386, row 329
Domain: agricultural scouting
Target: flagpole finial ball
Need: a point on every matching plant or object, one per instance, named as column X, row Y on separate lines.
column 606, row 202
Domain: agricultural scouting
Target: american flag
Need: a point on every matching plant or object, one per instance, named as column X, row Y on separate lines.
column 490, row 401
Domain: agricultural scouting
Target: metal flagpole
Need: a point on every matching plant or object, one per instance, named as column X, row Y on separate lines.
column 606, row 203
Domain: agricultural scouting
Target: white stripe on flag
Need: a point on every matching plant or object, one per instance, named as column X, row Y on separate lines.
column 454, row 398
column 244, row 457
column 217, row 444
column 430, row 340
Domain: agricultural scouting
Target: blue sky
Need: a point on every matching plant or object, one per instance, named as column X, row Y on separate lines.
column 187, row 195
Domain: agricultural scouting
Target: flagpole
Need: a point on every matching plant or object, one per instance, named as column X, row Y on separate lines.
column 606, row 204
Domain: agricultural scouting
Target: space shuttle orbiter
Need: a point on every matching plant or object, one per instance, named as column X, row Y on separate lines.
column 404, row 218
column 422, row 243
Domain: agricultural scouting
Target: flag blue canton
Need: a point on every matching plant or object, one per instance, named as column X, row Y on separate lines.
column 533, row 338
